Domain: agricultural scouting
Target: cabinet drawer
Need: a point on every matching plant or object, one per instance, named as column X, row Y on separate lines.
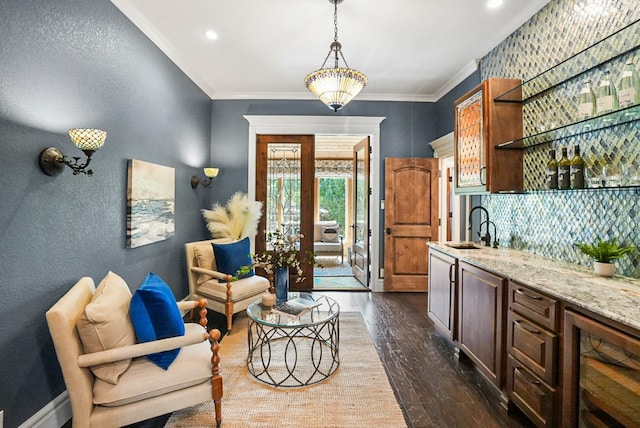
column 533, row 346
column 536, row 399
column 537, row 307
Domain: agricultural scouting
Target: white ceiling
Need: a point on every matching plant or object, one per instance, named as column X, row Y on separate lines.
column 411, row 50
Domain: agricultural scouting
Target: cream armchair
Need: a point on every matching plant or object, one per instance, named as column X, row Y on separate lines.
column 228, row 297
column 143, row 390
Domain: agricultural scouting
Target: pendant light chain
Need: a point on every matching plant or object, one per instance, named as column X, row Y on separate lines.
column 335, row 20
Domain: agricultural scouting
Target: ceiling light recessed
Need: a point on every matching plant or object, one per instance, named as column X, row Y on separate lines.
column 494, row 4
column 211, row 35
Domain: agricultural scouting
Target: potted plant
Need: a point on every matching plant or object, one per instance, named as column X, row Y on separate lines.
column 281, row 256
column 604, row 252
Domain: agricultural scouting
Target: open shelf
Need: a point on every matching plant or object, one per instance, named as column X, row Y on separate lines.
column 617, row 44
column 615, row 118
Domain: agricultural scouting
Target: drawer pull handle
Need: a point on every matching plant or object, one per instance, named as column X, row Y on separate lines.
column 452, row 280
column 526, row 377
column 526, row 327
column 528, row 296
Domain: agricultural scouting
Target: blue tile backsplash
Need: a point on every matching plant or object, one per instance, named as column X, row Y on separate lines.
column 550, row 222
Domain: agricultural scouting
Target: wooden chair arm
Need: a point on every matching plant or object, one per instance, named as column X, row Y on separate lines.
column 213, row 273
column 216, row 378
column 140, row 349
column 192, row 305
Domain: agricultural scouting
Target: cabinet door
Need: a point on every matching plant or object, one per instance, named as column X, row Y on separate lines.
column 442, row 292
column 481, row 319
column 470, row 145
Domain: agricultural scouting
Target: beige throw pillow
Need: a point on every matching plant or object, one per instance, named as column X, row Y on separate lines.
column 205, row 259
column 105, row 324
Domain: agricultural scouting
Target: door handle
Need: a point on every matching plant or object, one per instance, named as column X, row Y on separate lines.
column 388, row 231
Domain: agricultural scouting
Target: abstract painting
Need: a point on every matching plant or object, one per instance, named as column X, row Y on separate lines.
column 150, row 203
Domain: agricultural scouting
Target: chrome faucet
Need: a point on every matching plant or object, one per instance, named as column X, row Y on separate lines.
column 487, row 237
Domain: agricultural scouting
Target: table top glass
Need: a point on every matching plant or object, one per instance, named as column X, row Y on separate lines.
column 327, row 310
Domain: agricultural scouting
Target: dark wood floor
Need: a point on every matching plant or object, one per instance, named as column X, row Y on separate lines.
column 433, row 388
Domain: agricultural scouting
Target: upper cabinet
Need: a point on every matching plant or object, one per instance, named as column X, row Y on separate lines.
column 481, row 124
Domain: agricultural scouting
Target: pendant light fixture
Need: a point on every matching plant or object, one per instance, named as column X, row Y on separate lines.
column 335, row 86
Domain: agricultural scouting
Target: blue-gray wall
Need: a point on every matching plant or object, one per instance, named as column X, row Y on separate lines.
column 81, row 63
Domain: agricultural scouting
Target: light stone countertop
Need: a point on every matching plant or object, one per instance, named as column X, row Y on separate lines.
column 616, row 298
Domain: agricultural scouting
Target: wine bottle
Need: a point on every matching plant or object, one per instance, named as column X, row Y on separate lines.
column 586, row 101
column 552, row 171
column 576, row 169
column 564, row 171
column 606, row 96
column 629, row 86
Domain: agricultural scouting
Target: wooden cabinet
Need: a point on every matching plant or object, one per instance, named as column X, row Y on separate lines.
column 441, row 299
column 481, row 319
column 480, row 125
column 532, row 347
column 601, row 374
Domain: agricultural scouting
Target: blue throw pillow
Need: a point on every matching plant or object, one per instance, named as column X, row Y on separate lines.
column 155, row 315
column 231, row 257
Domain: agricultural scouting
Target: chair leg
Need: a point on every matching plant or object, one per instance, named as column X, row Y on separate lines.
column 216, row 378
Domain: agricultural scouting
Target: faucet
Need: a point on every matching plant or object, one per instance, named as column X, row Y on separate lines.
column 496, row 241
column 487, row 237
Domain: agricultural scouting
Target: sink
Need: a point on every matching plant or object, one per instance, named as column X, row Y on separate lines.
column 465, row 245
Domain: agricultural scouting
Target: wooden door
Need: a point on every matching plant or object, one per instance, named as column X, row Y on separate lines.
column 411, row 220
column 285, row 186
column 360, row 225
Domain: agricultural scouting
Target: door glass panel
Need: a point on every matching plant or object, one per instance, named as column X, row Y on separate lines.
column 609, row 383
column 283, row 190
column 360, row 193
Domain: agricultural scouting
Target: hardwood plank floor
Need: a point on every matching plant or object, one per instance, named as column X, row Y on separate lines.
column 433, row 387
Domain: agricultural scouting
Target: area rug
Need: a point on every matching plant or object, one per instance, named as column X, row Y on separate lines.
column 337, row 283
column 357, row 395
column 331, row 266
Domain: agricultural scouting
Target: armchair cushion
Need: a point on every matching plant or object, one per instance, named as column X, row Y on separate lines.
column 105, row 324
column 231, row 257
column 155, row 315
column 145, row 380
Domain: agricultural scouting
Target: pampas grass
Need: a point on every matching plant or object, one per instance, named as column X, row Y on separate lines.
column 238, row 219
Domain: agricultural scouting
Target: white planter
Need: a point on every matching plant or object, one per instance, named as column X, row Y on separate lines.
column 604, row 269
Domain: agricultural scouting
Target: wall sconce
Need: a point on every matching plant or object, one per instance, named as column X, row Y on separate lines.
column 210, row 173
column 52, row 160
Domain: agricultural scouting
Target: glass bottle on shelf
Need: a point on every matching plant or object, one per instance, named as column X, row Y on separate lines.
column 586, row 101
column 576, row 169
column 629, row 86
column 606, row 95
column 564, row 171
column 552, row 171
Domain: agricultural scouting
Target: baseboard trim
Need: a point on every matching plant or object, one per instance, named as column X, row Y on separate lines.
column 54, row 415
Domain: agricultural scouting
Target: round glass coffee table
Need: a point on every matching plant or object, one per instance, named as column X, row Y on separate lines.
column 290, row 352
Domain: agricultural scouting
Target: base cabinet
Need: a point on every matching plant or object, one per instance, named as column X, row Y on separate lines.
column 441, row 299
column 481, row 320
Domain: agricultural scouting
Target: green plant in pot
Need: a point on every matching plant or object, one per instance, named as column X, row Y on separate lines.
column 604, row 252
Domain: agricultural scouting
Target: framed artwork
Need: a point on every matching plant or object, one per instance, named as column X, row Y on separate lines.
column 150, row 203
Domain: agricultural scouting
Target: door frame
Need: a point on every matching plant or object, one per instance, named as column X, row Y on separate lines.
column 327, row 125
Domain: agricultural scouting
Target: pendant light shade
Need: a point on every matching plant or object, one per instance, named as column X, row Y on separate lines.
column 335, row 86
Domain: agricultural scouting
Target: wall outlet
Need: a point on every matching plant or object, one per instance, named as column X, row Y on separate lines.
column 381, row 276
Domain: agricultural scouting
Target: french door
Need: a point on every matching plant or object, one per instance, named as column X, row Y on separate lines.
column 285, row 186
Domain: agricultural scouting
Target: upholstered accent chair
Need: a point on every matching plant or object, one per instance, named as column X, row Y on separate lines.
column 327, row 240
column 120, row 386
column 227, row 297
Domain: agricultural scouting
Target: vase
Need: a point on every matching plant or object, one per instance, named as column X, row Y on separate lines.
column 281, row 283
column 604, row 269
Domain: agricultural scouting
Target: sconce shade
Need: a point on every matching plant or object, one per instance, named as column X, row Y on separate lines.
column 211, row 172
column 88, row 139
